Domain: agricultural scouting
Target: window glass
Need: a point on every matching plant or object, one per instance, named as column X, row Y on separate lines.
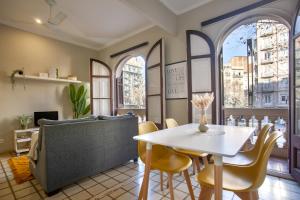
column 256, row 65
column 131, row 84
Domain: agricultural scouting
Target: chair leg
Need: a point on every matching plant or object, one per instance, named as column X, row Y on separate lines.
column 170, row 180
column 141, row 192
column 206, row 193
column 161, row 181
column 205, row 160
column 246, row 195
column 197, row 163
column 189, row 184
column 194, row 168
column 255, row 195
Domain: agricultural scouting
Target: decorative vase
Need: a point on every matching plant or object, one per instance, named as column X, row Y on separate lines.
column 203, row 121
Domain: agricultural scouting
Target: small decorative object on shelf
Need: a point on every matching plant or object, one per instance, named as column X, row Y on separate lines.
column 280, row 125
column 25, row 121
column 52, row 72
column 242, row 121
column 265, row 121
column 43, row 75
column 230, row 121
column 202, row 102
column 13, row 75
column 73, row 78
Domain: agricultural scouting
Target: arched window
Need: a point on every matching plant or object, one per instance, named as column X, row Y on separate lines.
column 255, row 81
column 256, row 65
column 130, row 83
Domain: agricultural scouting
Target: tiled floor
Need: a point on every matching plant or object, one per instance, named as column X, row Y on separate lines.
column 123, row 183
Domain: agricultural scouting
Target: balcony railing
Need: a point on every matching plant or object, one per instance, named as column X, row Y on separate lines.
column 259, row 113
column 139, row 112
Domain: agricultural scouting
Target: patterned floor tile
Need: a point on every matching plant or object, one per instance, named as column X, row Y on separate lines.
column 81, row 196
column 87, row 183
column 96, row 189
column 24, row 192
column 124, row 183
column 109, row 183
column 73, row 189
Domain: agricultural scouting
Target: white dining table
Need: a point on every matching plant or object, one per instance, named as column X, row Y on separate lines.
column 219, row 141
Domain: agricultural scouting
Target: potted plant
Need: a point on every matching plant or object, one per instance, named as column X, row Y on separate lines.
column 25, row 120
column 78, row 97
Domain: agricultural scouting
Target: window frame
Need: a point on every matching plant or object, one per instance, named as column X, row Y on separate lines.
column 100, row 76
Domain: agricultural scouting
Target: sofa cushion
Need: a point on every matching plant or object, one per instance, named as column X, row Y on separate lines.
column 103, row 117
column 42, row 122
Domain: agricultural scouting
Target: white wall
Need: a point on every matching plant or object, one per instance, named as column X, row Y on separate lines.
column 19, row 49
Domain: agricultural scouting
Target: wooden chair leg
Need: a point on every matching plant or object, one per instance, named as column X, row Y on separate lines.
column 170, row 180
column 197, row 163
column 194, row 167
column 161, row 181
column 206, row 193
column 144, row 189
column 245, row 195
column 189, row 184
column 254, row 195
column 205, row 160
column 141, row 193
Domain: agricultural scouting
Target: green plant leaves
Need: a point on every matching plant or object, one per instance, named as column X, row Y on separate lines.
column 72, row 91
column 78, row 98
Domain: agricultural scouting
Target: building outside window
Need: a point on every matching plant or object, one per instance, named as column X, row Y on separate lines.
column 131, row 84
column 256, row 65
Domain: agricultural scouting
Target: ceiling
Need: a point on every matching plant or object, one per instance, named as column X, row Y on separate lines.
column 179, row 7
column 94, row 23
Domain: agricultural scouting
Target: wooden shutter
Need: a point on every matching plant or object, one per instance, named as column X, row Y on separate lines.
column 155, row 84
column 201, row 71
column 101, row 94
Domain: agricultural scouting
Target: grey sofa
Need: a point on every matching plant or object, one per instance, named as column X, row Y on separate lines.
column 74, row 149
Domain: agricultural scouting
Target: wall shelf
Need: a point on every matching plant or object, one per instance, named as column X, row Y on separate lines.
column 29, row 77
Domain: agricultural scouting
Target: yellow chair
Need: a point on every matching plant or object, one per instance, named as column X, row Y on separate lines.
column 164, row 159
column 171, row 123
column 244, row 181
column 248, row 157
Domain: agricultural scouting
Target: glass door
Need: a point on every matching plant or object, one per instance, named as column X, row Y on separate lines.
column 295, row 136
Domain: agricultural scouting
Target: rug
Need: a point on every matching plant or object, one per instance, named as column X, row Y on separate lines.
column 20, row 168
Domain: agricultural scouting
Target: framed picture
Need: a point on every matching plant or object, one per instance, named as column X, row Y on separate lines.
column 176, row 81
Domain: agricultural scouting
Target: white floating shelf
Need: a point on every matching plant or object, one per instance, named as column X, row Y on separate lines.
column 17, row 76
column 22, row 150
column 20, row 140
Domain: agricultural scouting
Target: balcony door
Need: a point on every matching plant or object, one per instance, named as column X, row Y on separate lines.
column 255, row 83
column 295, row 136
column 201, row 72
column 155, row 84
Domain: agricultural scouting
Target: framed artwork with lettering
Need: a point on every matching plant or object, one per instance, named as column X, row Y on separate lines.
column 176, row 81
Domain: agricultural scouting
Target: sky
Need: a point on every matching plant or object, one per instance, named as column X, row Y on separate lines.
column 234, row 44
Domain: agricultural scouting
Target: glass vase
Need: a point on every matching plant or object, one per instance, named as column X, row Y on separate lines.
column 203, row 121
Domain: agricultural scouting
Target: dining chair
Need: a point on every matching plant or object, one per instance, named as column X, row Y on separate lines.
column 244, row 181
column 250, row 156
column 164, row 159
column 172, row 123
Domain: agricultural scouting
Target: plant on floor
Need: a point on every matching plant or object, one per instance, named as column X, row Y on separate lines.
column 25, row 121
column 78, row 97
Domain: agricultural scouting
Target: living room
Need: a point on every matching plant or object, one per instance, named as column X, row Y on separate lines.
column 82, row 82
